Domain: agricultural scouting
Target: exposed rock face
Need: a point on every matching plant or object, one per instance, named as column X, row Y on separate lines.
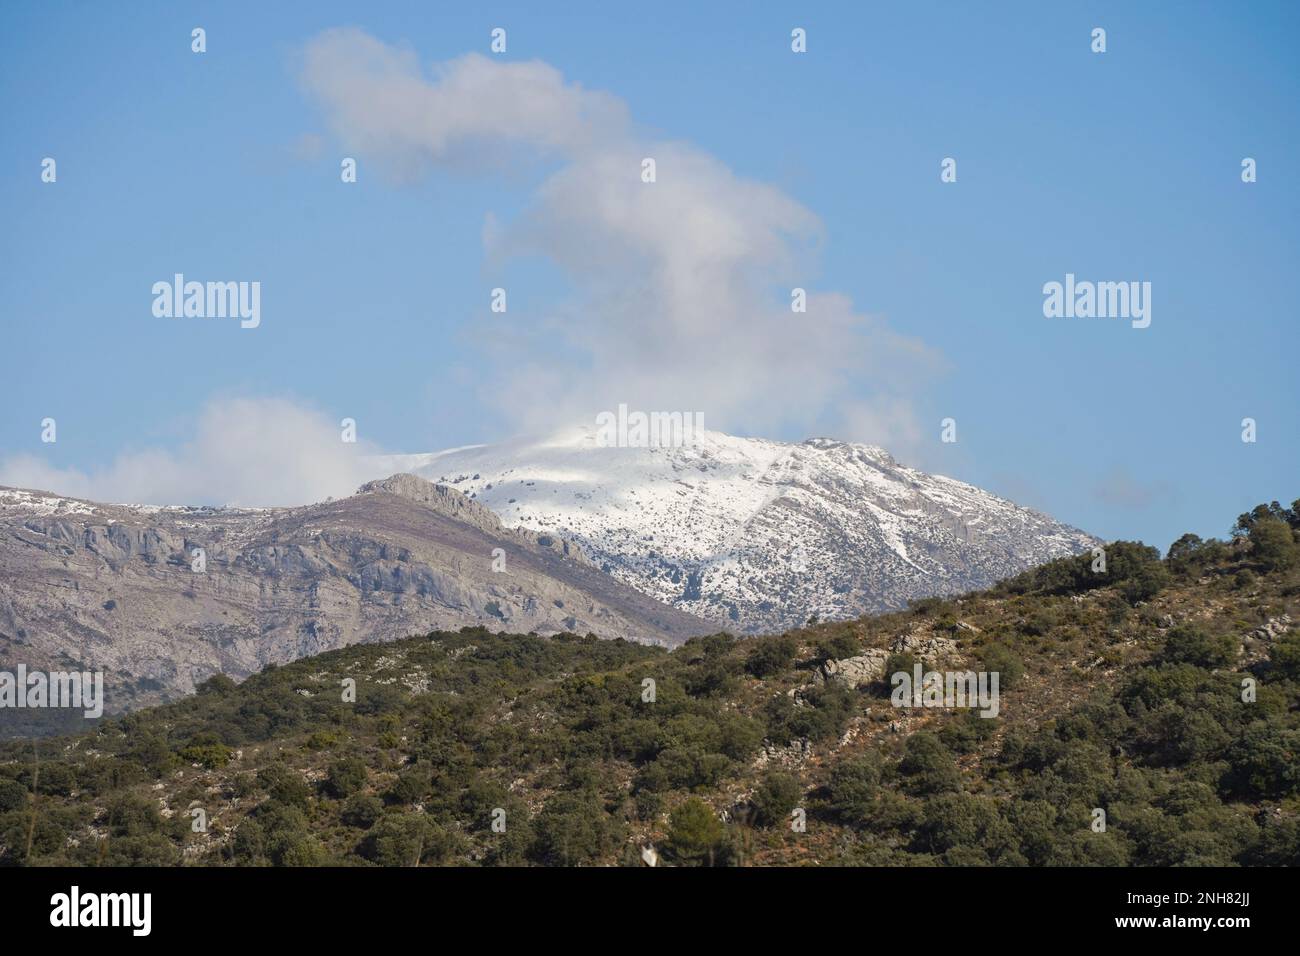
column 869, row 666
column 1255, row 645
column 112, row 588
column 928, row 647
column 1274, row 628
column 855, row 671
column 788, row 755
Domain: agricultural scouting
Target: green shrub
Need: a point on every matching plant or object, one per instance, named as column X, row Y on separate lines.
column 649, row 805
column 207, row 750
column 683, row 768
column 1190, row 644
column 295, row 849
column 1273, row 545
column 132, row 815
column 1262, row 761
column 1145, row 582
column 838, row 646
column 150, row 849
column 13, row 795
column 774, row 799
column 361, row 810
column 770, row 656
column 899, row 662
column 398, row 839
column 1006, row 663
column 248, row 845
column 412, row 785
column 345, row 777
column 959, row 821
column 573, row 829
column 853, row 786
column 218, row 685
column 1285, row 656
column 284, row 785
column 966, row 731
column 695, row 836
column 824, row 713
column 927, row 765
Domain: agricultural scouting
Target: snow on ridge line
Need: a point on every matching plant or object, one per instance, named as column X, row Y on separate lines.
column 721, row 527
column 43, row 503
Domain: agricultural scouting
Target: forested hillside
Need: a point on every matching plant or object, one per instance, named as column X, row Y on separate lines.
column 1149, row 714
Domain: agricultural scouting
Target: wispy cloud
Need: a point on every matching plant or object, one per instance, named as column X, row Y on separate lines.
column 680, row 288
column 1120, row 489
column 245, row 451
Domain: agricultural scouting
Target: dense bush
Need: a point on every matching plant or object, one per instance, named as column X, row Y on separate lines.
column 573, row 829
column 823, row 713
column 1273, row 544
column 927, row 766
column 132, row 815
column 1006, row 663
column 770, row 656
column 13, row 795
column 1188, row 644
column 696, row 836
column 853, row 787
column 345, row 777
column 206, row 749
column 398, row 839
column 774, row 799
column 361, row 810
column 284, row 785
column 1129, row 564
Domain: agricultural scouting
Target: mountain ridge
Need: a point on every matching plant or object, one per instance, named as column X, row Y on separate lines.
column 115, row 587
column 752, row 533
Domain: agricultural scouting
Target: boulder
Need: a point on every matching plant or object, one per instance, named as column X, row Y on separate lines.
column 855, row 671
column 927, row 647
column 1273, row 629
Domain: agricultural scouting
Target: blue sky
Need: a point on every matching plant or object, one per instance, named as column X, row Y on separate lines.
column 1116, row 166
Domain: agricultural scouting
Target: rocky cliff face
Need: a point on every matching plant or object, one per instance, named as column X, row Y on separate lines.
column 117, row 588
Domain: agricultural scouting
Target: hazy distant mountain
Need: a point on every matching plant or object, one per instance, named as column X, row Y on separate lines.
column 755, row 534
column 112, row 587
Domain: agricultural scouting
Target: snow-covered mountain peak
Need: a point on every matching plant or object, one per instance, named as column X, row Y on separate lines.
column 753, row 533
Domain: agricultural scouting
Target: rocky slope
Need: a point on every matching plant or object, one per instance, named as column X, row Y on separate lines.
column 756, row 535
column 113, row 588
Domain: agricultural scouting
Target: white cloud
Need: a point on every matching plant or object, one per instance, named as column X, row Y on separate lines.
column 680, row 288
column 380, row 104
column 245, row 451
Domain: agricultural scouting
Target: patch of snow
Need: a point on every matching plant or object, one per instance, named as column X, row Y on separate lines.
column 713, row 527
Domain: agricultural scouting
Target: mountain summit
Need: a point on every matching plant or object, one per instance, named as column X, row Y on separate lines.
column 754, row 534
